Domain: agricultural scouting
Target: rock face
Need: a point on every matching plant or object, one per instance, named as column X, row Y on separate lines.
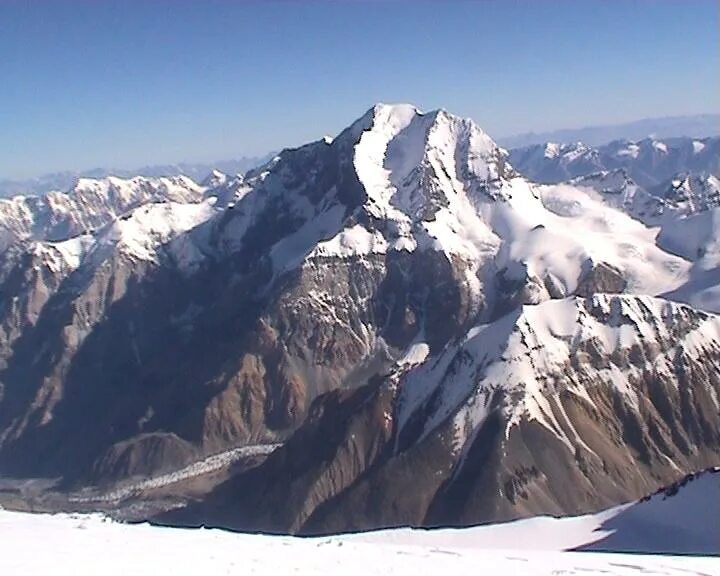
column 304, row 301
column 145, row 454
column 561, row 408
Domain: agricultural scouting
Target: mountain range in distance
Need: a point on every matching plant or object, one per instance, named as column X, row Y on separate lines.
column 60, row 181
column 700, row 125
column 694, row 126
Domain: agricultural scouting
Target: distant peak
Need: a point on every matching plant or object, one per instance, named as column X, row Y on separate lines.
column 215, row 179
column 552, row 150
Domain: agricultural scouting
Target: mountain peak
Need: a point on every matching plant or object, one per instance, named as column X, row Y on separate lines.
column 215, row 179
column 395, row 109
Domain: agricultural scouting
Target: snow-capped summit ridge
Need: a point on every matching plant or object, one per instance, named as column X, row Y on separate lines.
column 421, row 168
column 435, row 181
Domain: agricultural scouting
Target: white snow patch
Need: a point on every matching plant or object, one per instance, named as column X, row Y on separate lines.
column 698, row 146
column 660, row 146
column 354, row 241
column 416, row 354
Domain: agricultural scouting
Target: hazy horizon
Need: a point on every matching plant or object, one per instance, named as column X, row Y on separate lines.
column 224, row 164
column 91, row 84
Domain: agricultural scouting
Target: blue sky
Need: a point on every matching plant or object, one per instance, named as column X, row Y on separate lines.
column 87, row 83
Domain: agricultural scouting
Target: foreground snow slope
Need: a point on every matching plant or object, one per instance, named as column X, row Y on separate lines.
column 81, row 545
column 684, row 519
column 681, row 519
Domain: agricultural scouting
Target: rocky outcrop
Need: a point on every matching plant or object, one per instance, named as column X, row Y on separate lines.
column 144, row 455
column 600, row 278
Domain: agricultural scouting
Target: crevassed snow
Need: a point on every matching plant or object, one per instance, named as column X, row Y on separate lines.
column 569, row 226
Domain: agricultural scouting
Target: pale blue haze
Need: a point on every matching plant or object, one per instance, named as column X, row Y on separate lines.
column 129, row 83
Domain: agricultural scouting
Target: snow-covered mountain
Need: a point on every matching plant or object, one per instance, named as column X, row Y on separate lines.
column 534, row 547
column 649, row 162
column 422, row 325
column 88, row 205
column 65, row 180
